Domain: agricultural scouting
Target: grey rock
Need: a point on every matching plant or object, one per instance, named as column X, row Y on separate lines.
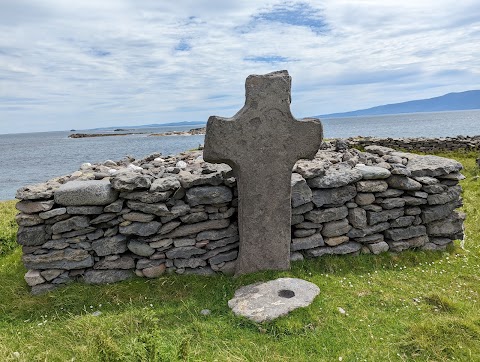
column 113, row 245
column 379, row 150
column 418, row 241
column 146, row 196
column 168, row 227
column 363, row 198
column 382, row 216
column 398, row 246
column 378, row 248
column 106, row 276
column 52, row 213
column 194, row 217
column 434, row 247
column 297, row 219
column 184, row 242
column 457, row 176
column 336, row 240
column 138, row 216
column 103, row 218
column 426, row 180
column 372, row 172
column 308, row 225
column 140, row 228
column 51, row 274
column 441, row 241
column 374, row 229
column 452, row 226
column 392, row 203
column 33, row 277
column 130, row 180
column 296, row 256
column 402, row 221
column 335, row 178
column 59, row 259
column 123, row 262
column 184, row 252
column 262, row 142
column 336, row 228
column 372, row 186
column 159, row 209
column 85, row 193
column 437, row 212
column 28, row 219
column 207, row 195
column 139, row 248
column 74, row 223
column 56, row 244
column 222, row 242
column 336, row 196
column 154, row 271
column 372, row 207
column 310, row 169
column 165, row 184
column 82, row 210
column 75, row 233
column 434, row 189
column 148, row 263
column 405, row 233
column 190, row 229
column 223, row 257
column 453, row 193
column 326, row 215
column 216, row 251
column 189, row 263
column 301, row 192
column 413, row 201
column 432, row 166
column 115, row 206
column 302, row 233
column 357, row 218
column 33, row 207
column 419, row 194
column 413, row 211
column 403, row 183
column 38, row 191
column 308, row 242
column 161, row 244
column 43, row 288
column 267, row 301
column 31, row 235
column 371, row 239
column 188, row 180
column 390, row 193
column 342, row 249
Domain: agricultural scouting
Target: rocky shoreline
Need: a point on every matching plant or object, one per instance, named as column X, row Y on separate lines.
column 192, row 132
column 177, row 214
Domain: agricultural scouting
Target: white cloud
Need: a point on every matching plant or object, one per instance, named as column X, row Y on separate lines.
column 100, row 63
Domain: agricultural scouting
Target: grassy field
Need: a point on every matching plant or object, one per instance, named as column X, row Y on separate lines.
column 414, row 306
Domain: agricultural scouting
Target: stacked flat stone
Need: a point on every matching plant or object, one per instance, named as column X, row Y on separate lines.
column 107, row 222
column 423, row 144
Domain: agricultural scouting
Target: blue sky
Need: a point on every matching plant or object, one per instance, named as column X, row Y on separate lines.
column 89, row 63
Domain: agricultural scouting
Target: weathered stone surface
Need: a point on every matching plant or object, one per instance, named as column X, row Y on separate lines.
column 103, row 218
column 378, row 248
column 426, row 180
column 194, row 217
column 326, row 215
column 223, row 257
column 390, row 193
column 267, row 301
column 106, row 276
column 301, row 192
column 146, row 196
column 51, row 274
column 418, row 241
column 336, row 228
column 207, row 195
column 74, row 223
column 302, row 233
column 138, row 216
column 33, row 277
column 435, row 189
column 123, row 262
column 81, row 210
column 335, row 178
column 131, row 180
column 113, row 245
column 168, row 227
column 154, row 271
column 191, row 229
column 31, row 235
column 115, row 206
column 358, row 233
column 165, row 184
column 372, row 172
column 413, row 201
column 184, row 242
column 190, row 263
column 337, row 196
column 336, row 240
column 158, row 209
column 32, row 207
column 139, row 248
column 398, row 246
column 403, row 183
column 140, row 228
column 452, row 194
column 392, row 203
column 357, row 217
column 28, row 219
column 261, row 143
column 382, row 216
column 364, row 198
column 37, row 191
column 188, row 180
column 184, row 252
column 342, row 249
column 59, row 259
column 405, row 233
column 437, row 212
column 371, row 239
column 85, row 193
column 310, row 169
column 432, row 166
column 308, row 242
column 402, row 222
column 372, row 186
column 448, row 227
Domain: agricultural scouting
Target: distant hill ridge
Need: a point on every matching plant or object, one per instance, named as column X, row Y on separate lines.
column 448, row 102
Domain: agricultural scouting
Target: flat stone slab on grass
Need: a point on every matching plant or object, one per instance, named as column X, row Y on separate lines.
column 262, row 302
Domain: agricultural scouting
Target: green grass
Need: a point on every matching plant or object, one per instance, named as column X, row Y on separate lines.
column 414, row 306
column 8, row 227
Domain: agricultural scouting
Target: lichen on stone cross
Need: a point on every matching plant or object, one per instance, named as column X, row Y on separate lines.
column 261, row 143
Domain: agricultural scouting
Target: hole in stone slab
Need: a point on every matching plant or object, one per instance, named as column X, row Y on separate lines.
column 286, row 293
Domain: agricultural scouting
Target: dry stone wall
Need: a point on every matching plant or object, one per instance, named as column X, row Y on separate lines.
column 177, row 214
column 423, row 144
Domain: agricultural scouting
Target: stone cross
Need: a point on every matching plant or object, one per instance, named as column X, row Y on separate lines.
column 261, row 143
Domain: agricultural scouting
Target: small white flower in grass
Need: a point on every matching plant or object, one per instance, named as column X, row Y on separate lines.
column 96, row 313
column 341, row 310
column 340, row 358
column 16, row 354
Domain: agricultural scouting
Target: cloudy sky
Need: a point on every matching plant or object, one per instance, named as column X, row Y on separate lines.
column 91, row 63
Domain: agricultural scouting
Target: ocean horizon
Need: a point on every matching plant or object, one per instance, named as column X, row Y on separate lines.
column 31, row 158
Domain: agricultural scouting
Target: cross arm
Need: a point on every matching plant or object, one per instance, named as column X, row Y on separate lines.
column 308, row 137
column 218, row 140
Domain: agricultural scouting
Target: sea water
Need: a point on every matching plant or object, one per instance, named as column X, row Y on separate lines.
column 30, row 158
